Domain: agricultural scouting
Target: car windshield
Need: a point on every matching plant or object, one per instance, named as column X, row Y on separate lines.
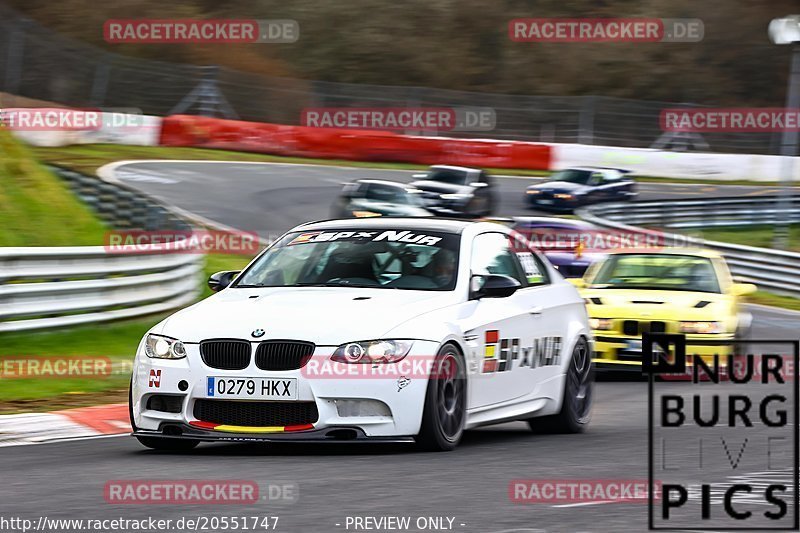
column 414, row 197
column 390, row 259
column 572, row 176
column 454, row 177
column 657, row 271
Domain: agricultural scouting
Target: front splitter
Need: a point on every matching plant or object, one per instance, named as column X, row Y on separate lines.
column 340, row 434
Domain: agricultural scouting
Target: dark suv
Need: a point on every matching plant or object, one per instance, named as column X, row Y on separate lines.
column 457, row 191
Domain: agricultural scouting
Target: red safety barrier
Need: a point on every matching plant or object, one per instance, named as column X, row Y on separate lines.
column 348, row 144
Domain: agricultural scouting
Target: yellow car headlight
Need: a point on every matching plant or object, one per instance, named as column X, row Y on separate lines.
column 701, row 327
column 563, row 196
column 603, row 324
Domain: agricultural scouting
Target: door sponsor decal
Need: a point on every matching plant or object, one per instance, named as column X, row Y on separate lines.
column 500, row 353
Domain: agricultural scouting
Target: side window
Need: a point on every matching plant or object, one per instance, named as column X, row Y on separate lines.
column 362, row 191
column 384, row 193
column 596, row 178
column 491, row 254
column 535, row 271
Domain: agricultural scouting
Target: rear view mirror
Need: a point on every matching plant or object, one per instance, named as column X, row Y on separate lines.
column 492, row 286
column 220, row 280
column 743, row 289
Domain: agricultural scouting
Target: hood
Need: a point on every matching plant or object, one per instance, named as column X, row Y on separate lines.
column 323, row 315
column 440, row 187
column 558, row 186
column 656, row 304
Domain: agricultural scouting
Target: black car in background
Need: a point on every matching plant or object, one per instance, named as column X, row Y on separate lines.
column 570, row 188
column 370, row 198
column 457, row 191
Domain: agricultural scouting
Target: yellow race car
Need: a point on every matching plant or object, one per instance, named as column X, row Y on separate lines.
column 672, row 290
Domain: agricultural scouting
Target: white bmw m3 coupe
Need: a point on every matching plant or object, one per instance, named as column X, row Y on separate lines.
column 394, row 329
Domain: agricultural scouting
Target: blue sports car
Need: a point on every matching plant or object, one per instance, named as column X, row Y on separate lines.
column 570, row 188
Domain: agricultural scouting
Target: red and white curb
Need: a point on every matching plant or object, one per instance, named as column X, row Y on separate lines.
column 35, row 428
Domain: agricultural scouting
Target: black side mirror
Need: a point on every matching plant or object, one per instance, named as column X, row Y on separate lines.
column 492, row 286
column 220, row 280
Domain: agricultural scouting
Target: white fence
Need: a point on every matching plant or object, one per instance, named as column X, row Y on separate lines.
column 49, row 287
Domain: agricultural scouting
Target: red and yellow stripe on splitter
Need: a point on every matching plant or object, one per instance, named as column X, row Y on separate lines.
column 250, row 429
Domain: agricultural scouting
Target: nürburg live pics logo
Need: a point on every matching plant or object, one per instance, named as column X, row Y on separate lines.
column 723, row 441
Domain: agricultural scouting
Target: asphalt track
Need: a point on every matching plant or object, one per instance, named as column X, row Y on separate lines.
column 67, row 479
column 272, row 198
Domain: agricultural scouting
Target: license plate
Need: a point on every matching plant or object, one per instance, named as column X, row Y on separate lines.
column 633, row 345
column 546, row 202
column 252, row 388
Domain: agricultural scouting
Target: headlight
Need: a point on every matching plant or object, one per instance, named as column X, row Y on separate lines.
column 701, row 327
column 601, row 323
column 161, row 347
column 533, row 191
column 372, row 351
column 563, row 196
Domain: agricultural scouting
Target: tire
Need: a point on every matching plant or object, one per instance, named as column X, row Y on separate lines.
column 491, row 205
column 739, row 352
column 576, row 405
column 445, row 402
column 159, row 443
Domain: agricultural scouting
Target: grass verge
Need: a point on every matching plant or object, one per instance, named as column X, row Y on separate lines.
column 774, row 300
column 760, row 236
column 36, row 208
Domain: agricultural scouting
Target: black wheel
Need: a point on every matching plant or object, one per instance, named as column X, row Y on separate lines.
column 576, row 406
column 739, row 353
column 158, row 443
column 445, row 402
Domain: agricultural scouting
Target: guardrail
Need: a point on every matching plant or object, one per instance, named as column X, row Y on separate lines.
column 776, row 271
column 696, row 213
column 50, row 287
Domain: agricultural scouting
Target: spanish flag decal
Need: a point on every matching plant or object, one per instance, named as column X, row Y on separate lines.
column 491, row 339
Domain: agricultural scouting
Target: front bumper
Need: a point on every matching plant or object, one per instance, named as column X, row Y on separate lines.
column 550, row 204
column 401, row 415
column 452, row 211
column 617, row 352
